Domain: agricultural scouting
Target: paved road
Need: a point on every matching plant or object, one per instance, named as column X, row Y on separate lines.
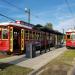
column 34, row 63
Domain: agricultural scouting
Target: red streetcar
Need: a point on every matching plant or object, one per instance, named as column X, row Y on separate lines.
column 70, row 38
column 14, row 36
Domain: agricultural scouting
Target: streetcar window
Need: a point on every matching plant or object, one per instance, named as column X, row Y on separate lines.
column 4, row 34
column 22, row 34
column 11, row 33
column 0, row 34
column 73, row 36
column 68, row 36
column 27, row 35
column 30, row 34
column 38, row 36
column 34, row 36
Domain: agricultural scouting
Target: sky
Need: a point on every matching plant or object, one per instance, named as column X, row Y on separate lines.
column 42, row 11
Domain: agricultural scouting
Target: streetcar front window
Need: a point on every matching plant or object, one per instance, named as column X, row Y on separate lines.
column 68, row 36
column 4, row 34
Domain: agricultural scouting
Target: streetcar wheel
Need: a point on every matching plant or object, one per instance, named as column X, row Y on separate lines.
column 9, row 53
column 67, row 47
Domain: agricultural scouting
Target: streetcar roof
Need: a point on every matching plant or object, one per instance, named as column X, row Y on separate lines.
column 71, row 30
column 15, row 24
column 28, row 27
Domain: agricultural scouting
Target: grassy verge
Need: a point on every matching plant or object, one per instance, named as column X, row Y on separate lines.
column 9, row 69
column 4, row 56
column 61, row 65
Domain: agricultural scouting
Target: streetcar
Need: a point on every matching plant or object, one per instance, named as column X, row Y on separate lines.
column 70, row 38
column 15, row 35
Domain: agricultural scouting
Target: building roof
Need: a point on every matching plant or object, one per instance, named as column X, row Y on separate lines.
column 71, row 30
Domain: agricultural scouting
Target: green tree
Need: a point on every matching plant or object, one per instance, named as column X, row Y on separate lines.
column 49, row 25
column 38, row 26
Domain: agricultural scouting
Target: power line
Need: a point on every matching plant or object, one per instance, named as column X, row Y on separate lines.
column 6, row 17
column 13, row 5
column 21, row 9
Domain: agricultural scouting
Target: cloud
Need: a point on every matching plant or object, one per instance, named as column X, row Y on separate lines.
column 58, row 15
column 66, row 24
column 65, row 20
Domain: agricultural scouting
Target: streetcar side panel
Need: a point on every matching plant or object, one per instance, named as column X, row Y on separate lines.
column 4, row 38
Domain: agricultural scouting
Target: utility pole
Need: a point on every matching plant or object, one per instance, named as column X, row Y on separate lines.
column 29, row 17
column 63, row 35
column 28, row 12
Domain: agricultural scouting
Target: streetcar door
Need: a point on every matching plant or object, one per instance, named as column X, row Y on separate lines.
column 16, row 40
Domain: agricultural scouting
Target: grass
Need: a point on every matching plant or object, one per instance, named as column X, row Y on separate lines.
column 61, row 65
column 10, row 69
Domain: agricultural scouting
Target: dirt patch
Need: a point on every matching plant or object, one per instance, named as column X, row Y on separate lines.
column 61, row 65
column 56, row 70
column 2, row 56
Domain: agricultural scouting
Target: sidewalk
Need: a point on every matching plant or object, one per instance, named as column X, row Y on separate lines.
column 34, row 63
column 38, row 62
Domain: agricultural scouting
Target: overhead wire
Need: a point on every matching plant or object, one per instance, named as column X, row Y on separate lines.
column 6, row 17
column 22, row 10
column 13, row 5
column 19, row 8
